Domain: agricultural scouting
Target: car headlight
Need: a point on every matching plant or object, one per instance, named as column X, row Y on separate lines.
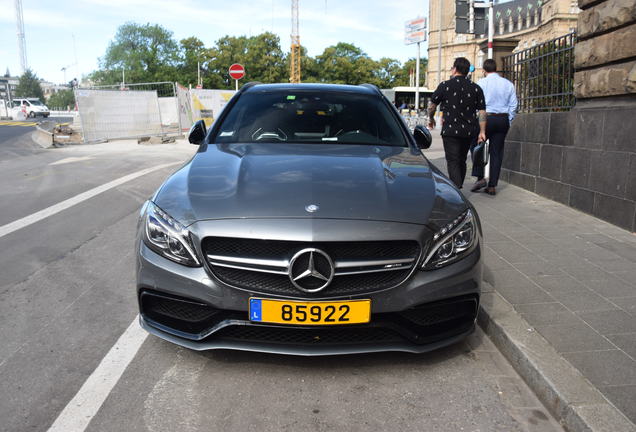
column 452, row 242
column 166, row 236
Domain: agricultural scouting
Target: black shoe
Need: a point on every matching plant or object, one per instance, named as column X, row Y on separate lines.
column 479, row 184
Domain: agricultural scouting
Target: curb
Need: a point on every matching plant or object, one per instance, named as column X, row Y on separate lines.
column 565, row 392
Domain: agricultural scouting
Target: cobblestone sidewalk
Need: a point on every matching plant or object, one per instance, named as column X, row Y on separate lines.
column 570, row 275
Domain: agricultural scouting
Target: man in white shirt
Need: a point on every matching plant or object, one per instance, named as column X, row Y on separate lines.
column 501, row 107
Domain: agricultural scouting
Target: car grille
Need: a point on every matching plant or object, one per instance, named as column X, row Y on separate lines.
column 177, row 313
column 262, row 265
column 422, row 324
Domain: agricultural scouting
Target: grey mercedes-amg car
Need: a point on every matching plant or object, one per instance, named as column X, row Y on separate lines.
column 309, row 222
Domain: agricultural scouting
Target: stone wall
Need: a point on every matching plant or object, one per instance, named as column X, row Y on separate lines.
column 605, row 56
column 585, row 158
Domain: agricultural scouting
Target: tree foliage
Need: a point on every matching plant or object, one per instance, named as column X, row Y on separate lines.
column 29, row 86
column 62, row 99
column 146, row 53
column 149, row 53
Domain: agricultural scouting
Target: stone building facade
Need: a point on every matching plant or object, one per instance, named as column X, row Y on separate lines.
column 586, row 158
column 519, row 24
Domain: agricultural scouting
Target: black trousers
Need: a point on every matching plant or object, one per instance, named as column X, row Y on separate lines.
column 496, row 130
column 456, row 149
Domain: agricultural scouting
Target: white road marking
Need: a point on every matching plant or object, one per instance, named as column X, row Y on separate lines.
column 79, row 412
column 63, row 205
column 71, row 159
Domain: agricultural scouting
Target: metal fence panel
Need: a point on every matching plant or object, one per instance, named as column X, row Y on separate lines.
column 168, row 103
column 112, row 114
column 184, row 107
column 543, row 75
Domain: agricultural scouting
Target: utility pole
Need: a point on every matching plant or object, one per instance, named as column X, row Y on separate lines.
column 491, row 27
column 439, row 43
column 417, row 80
column 294, row 76
column 21, row 40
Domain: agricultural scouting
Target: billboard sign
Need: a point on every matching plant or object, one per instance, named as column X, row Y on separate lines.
column 415, row 30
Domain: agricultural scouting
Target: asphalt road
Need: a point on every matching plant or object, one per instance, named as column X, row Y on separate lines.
column 67, row 297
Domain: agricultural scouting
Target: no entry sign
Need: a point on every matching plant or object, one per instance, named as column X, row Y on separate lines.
column 237, row 71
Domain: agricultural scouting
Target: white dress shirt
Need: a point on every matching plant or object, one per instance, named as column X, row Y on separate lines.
column 500, row 95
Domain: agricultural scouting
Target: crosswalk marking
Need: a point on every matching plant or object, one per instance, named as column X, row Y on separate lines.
column 17, row 123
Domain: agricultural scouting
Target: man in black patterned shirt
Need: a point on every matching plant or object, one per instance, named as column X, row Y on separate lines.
column 464, row 109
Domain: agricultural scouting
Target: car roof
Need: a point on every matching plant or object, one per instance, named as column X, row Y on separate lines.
column 339, row 88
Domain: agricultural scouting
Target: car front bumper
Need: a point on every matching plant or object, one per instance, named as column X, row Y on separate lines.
column 189, row 307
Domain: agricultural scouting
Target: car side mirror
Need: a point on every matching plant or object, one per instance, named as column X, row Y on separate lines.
column 197, row 133
column 423, row 137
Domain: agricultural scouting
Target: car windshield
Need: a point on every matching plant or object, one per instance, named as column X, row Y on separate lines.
column 310, row 117
column 35, row 102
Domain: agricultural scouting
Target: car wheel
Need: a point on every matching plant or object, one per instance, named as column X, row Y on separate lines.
column 31, row 114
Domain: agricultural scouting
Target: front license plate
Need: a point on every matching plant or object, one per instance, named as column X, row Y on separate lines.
column 310, row 313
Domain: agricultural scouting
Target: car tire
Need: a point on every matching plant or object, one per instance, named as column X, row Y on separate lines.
column 31, row 114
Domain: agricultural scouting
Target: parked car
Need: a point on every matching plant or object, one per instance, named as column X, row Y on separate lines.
column 31, row 106
column 309, row 222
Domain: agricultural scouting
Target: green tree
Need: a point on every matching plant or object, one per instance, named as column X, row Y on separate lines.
column 261, row 55
column 266, row 59
column 402, row 78
column 345, row 63
column 62, row 99
column 146, row 53
column 387, row 72
column 193, row 54
column 29, row 86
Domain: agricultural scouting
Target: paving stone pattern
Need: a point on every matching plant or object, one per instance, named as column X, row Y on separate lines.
column 571, row 276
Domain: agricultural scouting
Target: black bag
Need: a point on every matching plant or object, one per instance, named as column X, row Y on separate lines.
column 480, row 154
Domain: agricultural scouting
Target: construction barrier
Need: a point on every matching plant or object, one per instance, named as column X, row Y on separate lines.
column 208, row 104
column 145, row 109
column 184, row 107
column 112, row 114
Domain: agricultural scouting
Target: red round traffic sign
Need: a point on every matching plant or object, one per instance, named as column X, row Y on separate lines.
column 237, row 71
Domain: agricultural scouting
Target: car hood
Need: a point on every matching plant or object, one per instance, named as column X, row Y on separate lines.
column 265, row 180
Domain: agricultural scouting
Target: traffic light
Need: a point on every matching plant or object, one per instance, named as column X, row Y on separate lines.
column 462, row 15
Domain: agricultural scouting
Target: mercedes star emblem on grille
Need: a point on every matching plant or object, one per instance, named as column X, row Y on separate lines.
column 311, row 270
column 312, row 208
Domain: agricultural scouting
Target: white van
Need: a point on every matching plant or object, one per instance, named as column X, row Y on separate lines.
column 31, row 106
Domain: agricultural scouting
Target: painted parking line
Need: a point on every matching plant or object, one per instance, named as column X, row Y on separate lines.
column 17, row 123
column 79, row 412
column 63, row 205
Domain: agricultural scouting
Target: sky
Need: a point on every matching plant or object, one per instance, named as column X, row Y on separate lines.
column 75, row 33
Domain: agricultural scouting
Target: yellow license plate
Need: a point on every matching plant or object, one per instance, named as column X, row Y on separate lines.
column 310, row 313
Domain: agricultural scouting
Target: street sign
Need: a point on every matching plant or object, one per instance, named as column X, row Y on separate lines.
column 415, row 37
column 237, row 71
column 415, row 31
